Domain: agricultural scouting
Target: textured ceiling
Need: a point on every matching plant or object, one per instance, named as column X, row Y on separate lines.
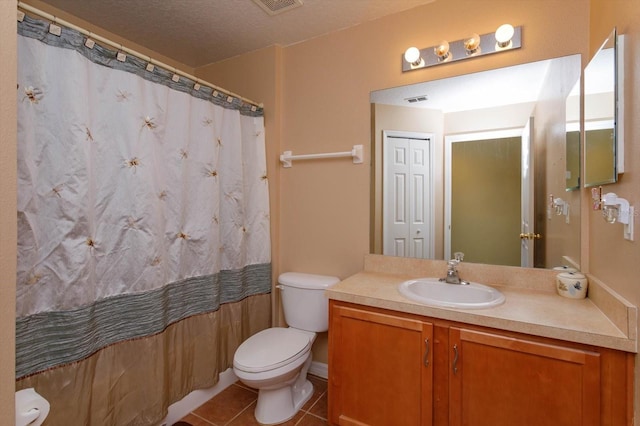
column 200, row 32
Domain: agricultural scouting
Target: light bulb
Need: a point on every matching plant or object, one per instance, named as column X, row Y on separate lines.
column 412, row 55
column 442, row 50
column 472, row 43
column 504, row 34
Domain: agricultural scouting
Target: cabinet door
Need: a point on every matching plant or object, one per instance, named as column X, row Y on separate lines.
column 497, row 380
column 379, row 369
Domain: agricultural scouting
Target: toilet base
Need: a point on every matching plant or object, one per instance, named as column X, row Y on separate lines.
column 279, row 405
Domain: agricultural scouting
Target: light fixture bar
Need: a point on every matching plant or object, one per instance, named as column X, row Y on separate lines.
column 457, row 50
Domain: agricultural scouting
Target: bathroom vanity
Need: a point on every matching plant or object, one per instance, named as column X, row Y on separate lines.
column 538, row 359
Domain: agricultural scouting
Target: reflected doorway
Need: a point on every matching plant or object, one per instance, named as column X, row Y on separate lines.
column 487, row 197
column 408, row 195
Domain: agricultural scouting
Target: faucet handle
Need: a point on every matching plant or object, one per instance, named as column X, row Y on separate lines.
column 459, row 256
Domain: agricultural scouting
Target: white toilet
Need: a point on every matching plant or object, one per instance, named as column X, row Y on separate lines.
column 276, row 360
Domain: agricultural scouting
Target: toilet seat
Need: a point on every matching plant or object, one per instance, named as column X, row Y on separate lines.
column 271, row 348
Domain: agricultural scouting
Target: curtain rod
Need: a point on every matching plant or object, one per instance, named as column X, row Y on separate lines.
column 120, row 47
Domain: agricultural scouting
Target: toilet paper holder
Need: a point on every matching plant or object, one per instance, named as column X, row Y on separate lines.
column 31, row 408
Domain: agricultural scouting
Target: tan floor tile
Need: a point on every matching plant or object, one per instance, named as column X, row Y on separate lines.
column 320, row 407
column 247, row 418
column 311, row 420
column 318, row 382
column 242, row 385
column 226, row 405
column 235, row 406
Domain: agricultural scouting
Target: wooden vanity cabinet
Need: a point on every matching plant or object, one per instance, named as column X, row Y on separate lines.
column 381, row 372
column 380, row 368
column 511, row 381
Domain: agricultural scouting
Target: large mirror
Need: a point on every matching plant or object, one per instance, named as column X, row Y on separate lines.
column 603, row 135
column 471, row 164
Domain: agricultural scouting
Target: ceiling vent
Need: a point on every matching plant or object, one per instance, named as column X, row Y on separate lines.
column 415, row 99
column 274, row 7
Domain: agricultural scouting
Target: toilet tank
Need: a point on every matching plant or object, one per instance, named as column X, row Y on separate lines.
column 304, row 302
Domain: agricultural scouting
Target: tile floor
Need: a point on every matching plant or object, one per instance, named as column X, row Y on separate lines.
column 234, row 406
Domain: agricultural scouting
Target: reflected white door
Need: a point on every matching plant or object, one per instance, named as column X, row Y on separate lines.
column 407, row 196
column 527, row 205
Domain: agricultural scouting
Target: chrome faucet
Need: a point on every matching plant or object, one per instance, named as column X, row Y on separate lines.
column 452, row 270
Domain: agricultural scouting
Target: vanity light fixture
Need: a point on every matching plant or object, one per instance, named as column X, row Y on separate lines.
column 616, row 209
column 506, row 37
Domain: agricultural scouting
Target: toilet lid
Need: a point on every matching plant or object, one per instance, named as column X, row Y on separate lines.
column 270, row 349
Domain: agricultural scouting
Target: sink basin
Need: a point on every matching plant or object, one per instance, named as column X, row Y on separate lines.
column 431, row 291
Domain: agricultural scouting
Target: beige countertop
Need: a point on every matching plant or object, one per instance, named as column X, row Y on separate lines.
column 531, row 308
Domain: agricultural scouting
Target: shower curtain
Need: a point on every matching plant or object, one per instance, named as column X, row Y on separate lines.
column 143, row 223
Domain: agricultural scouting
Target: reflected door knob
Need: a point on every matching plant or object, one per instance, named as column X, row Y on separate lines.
column 530, row 236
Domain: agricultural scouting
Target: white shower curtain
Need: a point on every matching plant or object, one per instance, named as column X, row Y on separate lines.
column 142, row 202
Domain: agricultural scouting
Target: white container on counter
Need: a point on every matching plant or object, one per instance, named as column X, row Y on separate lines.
column 572, row 285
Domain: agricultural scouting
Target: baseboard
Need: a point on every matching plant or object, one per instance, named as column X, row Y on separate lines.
column 198, row 397
column 319, row 369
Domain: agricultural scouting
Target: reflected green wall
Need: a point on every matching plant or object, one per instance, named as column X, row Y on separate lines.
column 485, row 200
column 600, row 158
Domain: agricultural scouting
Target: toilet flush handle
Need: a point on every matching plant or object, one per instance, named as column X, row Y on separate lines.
column 280, row 287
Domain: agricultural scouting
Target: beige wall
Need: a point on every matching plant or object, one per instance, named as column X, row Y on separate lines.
column 8, row 180
column 611, row 258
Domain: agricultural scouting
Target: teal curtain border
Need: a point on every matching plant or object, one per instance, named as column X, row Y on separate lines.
column 50, row 339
